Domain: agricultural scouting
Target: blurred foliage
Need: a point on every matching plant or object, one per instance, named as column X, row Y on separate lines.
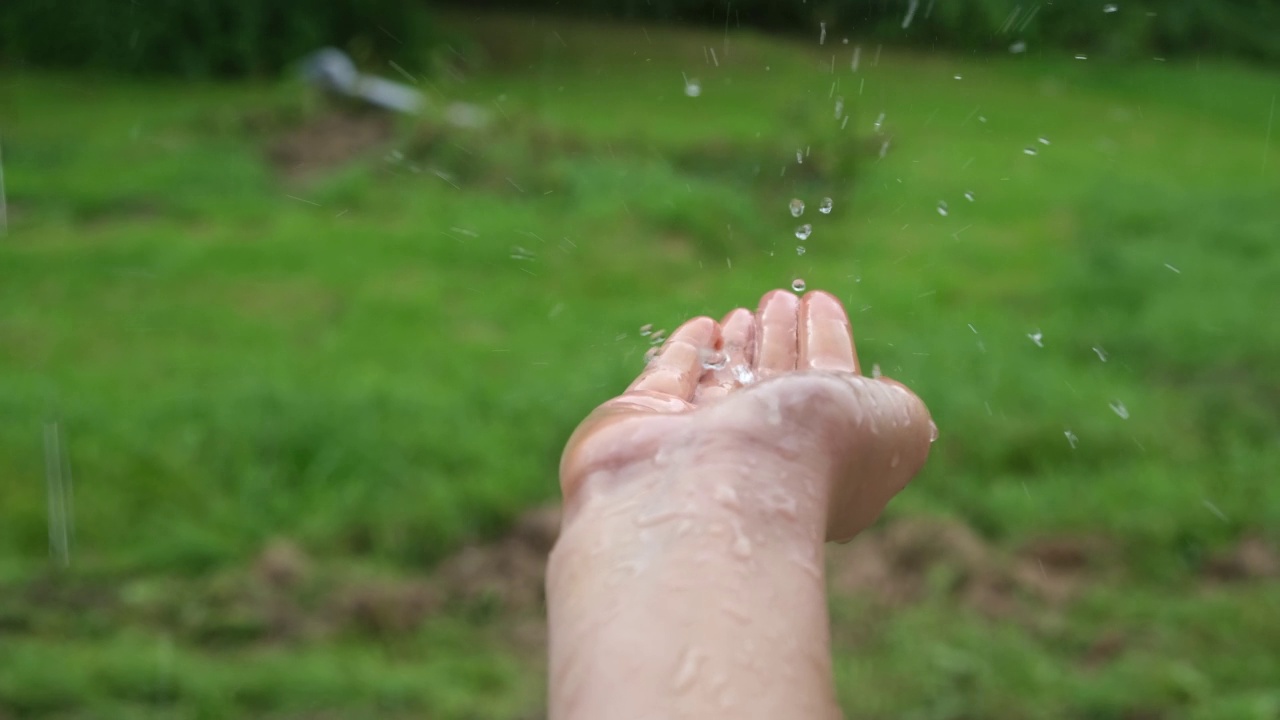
column 203, row 38
column 1238, row 28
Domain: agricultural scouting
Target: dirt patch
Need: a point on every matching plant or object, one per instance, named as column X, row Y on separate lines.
column 328, row 141
column 912, row 559
column 1253, row 558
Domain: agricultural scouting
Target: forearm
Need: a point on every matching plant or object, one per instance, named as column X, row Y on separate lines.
column 706, row 600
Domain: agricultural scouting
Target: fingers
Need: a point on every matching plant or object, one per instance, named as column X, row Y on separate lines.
column 825, row 337
column 676, row 369
column 776, row 345
column 737, row 331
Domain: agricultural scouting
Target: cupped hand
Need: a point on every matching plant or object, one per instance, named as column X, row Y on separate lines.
column 778, row 391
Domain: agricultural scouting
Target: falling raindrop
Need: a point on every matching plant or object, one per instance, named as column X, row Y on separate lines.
column 822, row 38
column 959, row 77
column 646, row 329
column 799, row 156
column 1119, row 409
column 1018, row 47
column 692, row 88
column 839, row 107
column 1030, row 151
column 1042, row 140
column 1110, row 8
column 798, row 285
column 1082, row 57
column 1037, row 337
column 799, row 249
column 1071, row 438
column 658, row 336
column 942, row 208
column 825, row 206
column 797, row 207
column 879, row 121
column 968, row 195
column 803, row 232
column 1102, row 354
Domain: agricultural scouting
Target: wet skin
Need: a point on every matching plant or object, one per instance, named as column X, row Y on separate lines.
column 688, row 578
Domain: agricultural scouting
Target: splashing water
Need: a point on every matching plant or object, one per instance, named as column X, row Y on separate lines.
column 803, row 232
column 646, row 329
column 1071, row 438
column 875, row 371
column 799, row 249
column 825, row 206
column 796, row 206
column 743, row 375
column 798, row 285
column 1037, row 337
column 1118, row 408
column 968, row 195
column 942, row 208
column 692, row 88
column 714, row 359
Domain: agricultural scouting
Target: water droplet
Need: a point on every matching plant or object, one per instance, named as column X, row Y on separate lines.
column 942, row 208
column 799, row 156
column 741, row 543
column 798, row 285
column 803, row 232
column 743, row 375
column 692, row 88
column 690, row 661
column 1119, row 409
column 726, row 495
column 658, row 336
column 1042, row 140
column 1082, row 57
column 1071, row 438
column 839, row 107
column 714, row 359
column 797, row 207
column 646, row 329
column 1110, row 8
column 1030, row 151
column 799, row 249
column 968, row 195
column 875, row 373
column 933, row 432
column 659, row 517
column 959, row 77
column 822, row 38
column 1018, row 47
column 825, row 206
column 1037, row 337
column 879, row 122
column 650, row 354
column 1102, row 354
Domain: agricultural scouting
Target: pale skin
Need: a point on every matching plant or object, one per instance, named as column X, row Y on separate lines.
column 688, row 578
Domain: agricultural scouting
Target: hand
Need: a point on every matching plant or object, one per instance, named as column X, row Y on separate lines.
column 778, row 393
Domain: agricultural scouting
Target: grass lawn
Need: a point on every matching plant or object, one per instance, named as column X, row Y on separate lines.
column 213, row 335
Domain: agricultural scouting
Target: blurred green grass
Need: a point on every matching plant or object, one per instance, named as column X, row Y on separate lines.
column 382, row 361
